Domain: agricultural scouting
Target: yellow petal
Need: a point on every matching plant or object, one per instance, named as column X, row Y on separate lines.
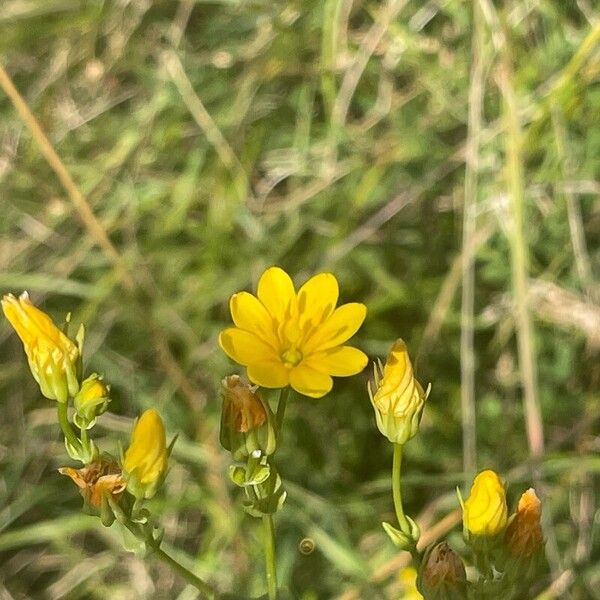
column 276, row 292
column 339, row 327
column 245, row 347
column 147, row 454
column 310, row 382
column 249, row 313
column 339, row 362
column 317, row 299
column 269, row 374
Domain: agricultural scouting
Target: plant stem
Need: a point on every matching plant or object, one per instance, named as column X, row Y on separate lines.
column 144, row 536
column 63, row 419
column 397, row 489
column 284, row 394
column 271, row 570
column 200, row 585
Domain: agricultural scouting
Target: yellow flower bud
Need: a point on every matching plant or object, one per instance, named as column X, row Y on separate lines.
column 443, row 573
column 91, row 400
column 398, row 398
column 485, row 511
column 96, row 479
column 246, row 420
column 54, row 359
column 408, row 579
column 524, row 535
column 145, row 461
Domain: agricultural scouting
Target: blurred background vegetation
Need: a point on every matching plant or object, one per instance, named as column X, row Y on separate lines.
column 419, row 151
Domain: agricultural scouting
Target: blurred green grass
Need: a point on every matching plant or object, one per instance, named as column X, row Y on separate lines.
column 213, row 139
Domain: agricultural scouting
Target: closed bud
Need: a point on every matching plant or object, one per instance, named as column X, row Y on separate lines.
column 145, row 461
column 246, row 420
column 91, row 401
column 443, row 574
column 54, row 359
column 485, row 512
column 524, row 536
column 397, row 397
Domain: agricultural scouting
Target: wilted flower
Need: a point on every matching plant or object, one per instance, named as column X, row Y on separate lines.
column 54, row 359
column 398, row 398
column 101, row 477
column 145, row 461
column 288, row 338
column 246, row 420
column 443, row 573
column 91, row 400
column 485, row 511
column 524, row 535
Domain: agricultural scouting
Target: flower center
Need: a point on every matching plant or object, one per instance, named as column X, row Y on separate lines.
column 291, row 357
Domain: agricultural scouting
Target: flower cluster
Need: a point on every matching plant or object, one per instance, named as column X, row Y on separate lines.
column 286, row 339
column 110, row 487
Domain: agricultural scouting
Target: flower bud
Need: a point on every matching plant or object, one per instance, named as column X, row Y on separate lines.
column 398, row 398
column 485, row 511
column 246, row 420
column 443, row 573
column 91, row 401
column 145, row 461
column 408, row 579
column 524, row 535
column 54, row 359
column 101, row 477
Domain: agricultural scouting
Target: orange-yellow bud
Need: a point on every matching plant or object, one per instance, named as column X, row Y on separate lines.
column 485, row 511
column 54, row 359
column 524, row 535
column 398, row 398
column 246, row 420
column 145, row 461
column 242, row 409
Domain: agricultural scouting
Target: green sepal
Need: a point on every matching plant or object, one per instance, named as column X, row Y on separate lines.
column 405, row 540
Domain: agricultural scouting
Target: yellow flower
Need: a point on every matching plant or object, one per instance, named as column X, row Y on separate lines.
column 54, row 359
column 408, row 579
column 485, row 511
column 443, row 572
column 145, row 461
column 288, row 338
column 91, row 400
column 398, row 398
column 96, row 479
column 524, row 535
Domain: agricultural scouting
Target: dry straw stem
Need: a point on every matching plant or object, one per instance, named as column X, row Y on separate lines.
column 519, row 256
column 90, row 221
column 354, row 73
column 207, row 124
column 467, row 352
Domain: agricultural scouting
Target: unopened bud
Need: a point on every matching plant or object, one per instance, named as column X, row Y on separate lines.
column 397, row 397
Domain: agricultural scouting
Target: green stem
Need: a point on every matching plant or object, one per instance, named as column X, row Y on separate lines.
column 142, row 535
column 397, row 489
column 270, row 556
column 200, row 585
column 284, row 394
column 405, row 526
column 63, row 419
